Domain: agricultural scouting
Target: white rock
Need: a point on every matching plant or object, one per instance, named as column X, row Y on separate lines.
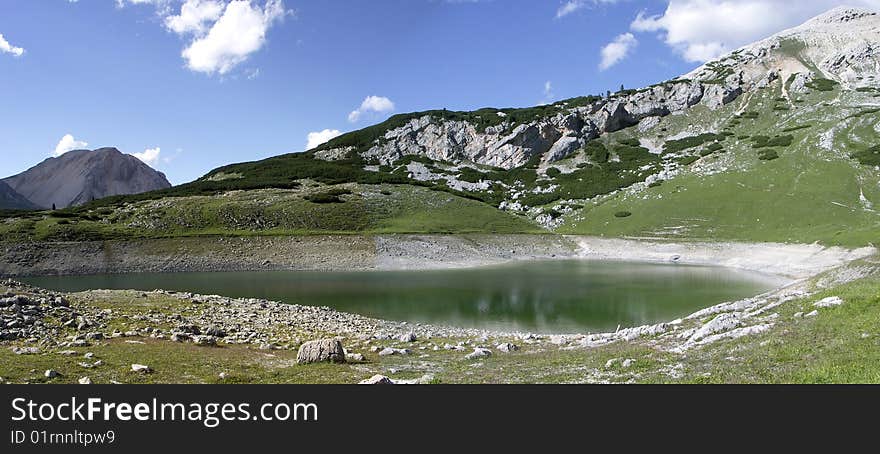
column 141, row 369
column 85, row 381
column 812, row 314
column 831, row 301
column 377, row 380
column 50, row 373
column 479, row 353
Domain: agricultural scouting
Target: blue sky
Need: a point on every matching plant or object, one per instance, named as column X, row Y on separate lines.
column 191, row 85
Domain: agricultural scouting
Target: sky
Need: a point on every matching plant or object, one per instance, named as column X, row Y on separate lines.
column 191, row 85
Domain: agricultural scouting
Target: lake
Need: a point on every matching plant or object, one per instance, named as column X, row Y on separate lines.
column 561, row 296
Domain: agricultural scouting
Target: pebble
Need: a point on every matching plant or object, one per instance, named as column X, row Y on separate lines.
column 50, row 373
column 85, row 381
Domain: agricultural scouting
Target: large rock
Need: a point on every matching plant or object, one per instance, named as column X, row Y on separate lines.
column 320, row 351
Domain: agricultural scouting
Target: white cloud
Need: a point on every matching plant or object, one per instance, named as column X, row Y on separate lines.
column 377, row 104
column 548, row 93
column 574, row 5
column 569, row 7
column 194, row 16
column 700, row 30
column 617, row 50
column 321, row 137
column 239, row 32
column 9, row 48
column 68, row 143
column 150, row 156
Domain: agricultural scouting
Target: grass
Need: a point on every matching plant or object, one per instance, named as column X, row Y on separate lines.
column 309, row 210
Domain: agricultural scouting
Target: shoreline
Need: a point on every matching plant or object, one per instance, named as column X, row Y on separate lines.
column 403, row 252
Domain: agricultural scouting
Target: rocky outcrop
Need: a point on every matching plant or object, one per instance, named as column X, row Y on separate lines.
column 78, row 177
column 554, row 137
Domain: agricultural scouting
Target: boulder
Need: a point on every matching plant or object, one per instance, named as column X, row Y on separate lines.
column 507, row 347
column 319, row 351
column 479, row 352
column 377, row 380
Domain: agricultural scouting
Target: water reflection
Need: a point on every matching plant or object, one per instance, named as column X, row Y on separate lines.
column 554, row 296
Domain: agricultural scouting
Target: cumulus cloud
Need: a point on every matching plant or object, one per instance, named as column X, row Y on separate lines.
column 377, row 104
column 700, row 30
column 194, row 16
column 9, row 48
column 239, row 32
column 321, row 137
column 150, row 156
column 617, row 50
column 68, row 143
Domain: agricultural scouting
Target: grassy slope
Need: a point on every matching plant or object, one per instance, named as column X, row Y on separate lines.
column 368, row 209
column 808, row 194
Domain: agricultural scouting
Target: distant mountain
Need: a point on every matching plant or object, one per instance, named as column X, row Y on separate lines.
column 11, row 200
column 80, row 176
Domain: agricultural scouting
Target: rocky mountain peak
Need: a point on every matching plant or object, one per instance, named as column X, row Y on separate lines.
column 79, row 176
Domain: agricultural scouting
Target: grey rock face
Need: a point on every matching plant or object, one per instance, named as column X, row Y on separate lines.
column 319, row 351
column 511, row 145
column 12, row 200
column 78, row 177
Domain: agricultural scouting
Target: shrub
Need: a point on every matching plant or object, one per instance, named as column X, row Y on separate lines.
column 673, row 146
column 622, row 214
column 869, row 157
column 715, row 147
column 767, row 155
column 778, row 141
column 797, row 128
column 630, row 142
column 687, row 160
column 553, row 172
column 598, row 152
column 331, row 196
column 822, row 84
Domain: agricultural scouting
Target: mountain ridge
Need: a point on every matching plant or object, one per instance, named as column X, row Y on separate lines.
column 80, row 176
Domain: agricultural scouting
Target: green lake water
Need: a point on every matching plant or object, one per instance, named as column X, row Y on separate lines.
column 542, row 296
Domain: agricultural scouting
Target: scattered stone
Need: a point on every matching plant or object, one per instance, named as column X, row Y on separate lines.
column 507, row 347
column 627, row 363
column 377, row 380
column 812, row 314
column 50, row 373
column 831, row 301
column 68, row 352
column 611, row 362
column 479, row 353
column 355, row 358
column 798, row 314
column 141, row 369
column 323, row 350
column 89, row 355
column 408, row 337
column 223, row 375
column 85, row 381
column 205, row 341
column 25, row 350
column 395, row 351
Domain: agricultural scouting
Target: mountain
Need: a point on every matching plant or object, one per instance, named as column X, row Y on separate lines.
column 80, row 176
column 11, row 200
column 775, row 141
